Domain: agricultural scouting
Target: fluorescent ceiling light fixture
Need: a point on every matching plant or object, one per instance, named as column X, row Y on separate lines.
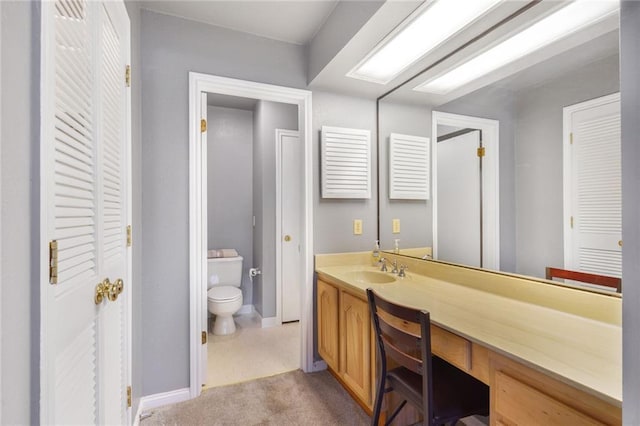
column 418, row 35
column 567, row 20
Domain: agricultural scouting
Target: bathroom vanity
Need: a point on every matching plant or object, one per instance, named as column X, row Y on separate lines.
column 551, row 354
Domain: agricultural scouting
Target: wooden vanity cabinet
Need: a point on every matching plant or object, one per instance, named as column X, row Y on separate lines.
column 345, row 340
column 328, row 332
column 355, row 345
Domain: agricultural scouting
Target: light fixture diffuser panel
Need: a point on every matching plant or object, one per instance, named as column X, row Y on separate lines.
column 577, row 15
column 423, row 31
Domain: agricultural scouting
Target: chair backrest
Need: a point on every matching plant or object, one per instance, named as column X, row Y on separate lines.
column 404, row 334
column 603, row 280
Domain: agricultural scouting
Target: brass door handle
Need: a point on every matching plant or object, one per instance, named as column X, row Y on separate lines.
column 287, row 238
column 109, row 290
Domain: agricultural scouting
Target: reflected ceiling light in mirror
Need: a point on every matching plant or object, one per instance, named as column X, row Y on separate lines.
column 571, row 18
column 420, row 33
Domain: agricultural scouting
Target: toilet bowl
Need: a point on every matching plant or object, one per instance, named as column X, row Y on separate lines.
column 223, row 302
column 224, row 297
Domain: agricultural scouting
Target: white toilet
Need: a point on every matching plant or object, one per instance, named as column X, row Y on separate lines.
column 224, row 297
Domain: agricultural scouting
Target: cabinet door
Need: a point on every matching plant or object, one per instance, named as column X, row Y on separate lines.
column 327, row 300
column 355, row 346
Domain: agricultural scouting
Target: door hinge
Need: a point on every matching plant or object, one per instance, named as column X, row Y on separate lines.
column 571, row 138
column 127, row 75
column 129, row 236
column 128, row 396
column 204, row 337
column 571, row 221
column 203, row 125
column 53, row 262
column 481, row 151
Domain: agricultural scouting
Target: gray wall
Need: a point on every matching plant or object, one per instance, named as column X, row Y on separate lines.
column 539, row 164
column 415, row 215
column 630, row 92
column 230, row 185
column 20, row 213
column 171, row 47
column 333, row 218
column 497, row 104
column 269, row 116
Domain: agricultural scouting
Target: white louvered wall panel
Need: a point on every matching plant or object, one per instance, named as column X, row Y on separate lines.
column 74, row 145
column 346, row 163
column 408, row 167
column 112, row 132
column 598, row 191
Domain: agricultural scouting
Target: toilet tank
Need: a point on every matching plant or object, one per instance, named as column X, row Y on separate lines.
column 224, row 271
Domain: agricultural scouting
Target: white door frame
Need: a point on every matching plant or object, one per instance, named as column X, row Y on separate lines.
column 490, row 166
column 279, row 134
column 567, row 171
column 205, row 83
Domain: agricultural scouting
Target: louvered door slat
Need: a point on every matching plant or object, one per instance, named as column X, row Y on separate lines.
column 409, row 168
column 346, row 163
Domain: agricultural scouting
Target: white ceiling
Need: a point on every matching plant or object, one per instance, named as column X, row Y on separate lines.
column 290, row 21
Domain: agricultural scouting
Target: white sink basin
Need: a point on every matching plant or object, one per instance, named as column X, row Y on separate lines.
column 371, row 277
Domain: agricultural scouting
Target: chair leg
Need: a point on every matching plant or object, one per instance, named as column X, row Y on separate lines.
column 377, row 407
column 395, row 413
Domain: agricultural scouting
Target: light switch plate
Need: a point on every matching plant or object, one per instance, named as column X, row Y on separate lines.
column 396, row 226
column 357, row 227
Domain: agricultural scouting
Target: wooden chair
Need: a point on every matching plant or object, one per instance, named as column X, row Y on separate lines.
column 440, row 391
column 602, row 280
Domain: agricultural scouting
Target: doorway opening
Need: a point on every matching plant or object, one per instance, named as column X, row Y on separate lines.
column 476, row 183
column 200, row 85
column 248, row 188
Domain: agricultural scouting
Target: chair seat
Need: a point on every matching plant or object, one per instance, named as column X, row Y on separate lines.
column 455, row 393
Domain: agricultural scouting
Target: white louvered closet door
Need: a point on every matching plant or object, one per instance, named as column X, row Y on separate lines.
column 85, row 195
column 596, row 191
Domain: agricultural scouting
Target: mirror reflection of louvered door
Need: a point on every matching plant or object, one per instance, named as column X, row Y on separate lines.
column 85, row 175
column 594, row 223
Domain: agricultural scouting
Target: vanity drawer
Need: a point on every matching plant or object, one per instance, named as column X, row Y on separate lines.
column 454, row 349
column 518, row 404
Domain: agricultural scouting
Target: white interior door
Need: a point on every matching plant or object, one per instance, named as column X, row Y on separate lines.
column 594, row 226
column 85, row 146
column 459, row 219
column 290, row 238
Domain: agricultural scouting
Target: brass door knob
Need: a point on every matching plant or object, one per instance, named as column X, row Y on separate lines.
column 287, row 238
column 108, row 290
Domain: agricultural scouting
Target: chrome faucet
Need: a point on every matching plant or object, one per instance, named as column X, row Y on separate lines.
column 383, row 261
column 401, row 273
column 395, row 267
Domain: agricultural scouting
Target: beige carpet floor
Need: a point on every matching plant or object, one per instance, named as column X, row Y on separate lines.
column 292, row 398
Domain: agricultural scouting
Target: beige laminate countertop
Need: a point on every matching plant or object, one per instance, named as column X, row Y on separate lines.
column 582, row 352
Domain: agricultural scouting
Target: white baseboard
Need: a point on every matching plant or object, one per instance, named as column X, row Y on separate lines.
column 269, row 321
column 150, row 402
column 318, row 366
column 246, row 309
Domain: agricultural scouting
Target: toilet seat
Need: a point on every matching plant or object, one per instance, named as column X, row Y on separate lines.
column 224, row 293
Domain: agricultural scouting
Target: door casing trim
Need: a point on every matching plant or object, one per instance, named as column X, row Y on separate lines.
column 204, row 83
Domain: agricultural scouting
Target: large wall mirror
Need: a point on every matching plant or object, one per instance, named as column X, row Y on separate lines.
column 522, row 147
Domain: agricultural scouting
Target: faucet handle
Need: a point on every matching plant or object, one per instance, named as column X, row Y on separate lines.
column 383, row 268
column 403, row 268
column 395, row 267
